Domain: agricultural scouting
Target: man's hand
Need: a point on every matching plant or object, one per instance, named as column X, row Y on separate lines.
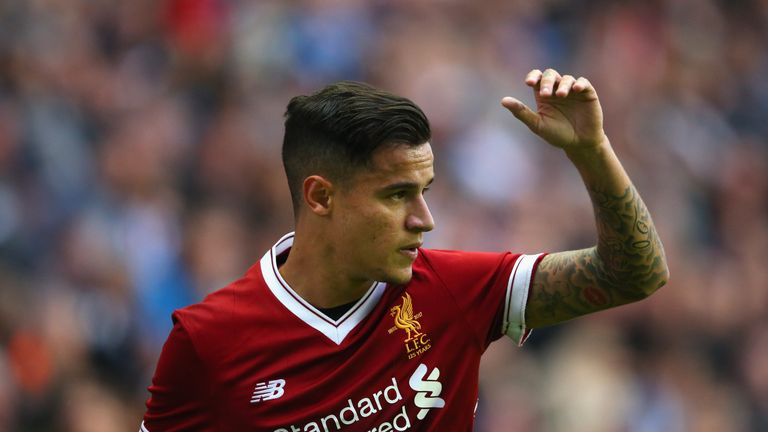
column 568, row 113
column 628, row 261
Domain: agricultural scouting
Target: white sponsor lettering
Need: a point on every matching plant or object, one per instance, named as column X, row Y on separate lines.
column 428, row 390
column 353, row 412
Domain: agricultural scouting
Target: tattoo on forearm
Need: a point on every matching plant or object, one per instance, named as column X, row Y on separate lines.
column 626, row 265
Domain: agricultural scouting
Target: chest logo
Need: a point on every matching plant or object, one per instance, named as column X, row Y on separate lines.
column 428, row 390
column 416, row 341
column 265, row 391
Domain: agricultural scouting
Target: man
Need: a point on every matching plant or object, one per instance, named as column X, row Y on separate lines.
column 348, row 324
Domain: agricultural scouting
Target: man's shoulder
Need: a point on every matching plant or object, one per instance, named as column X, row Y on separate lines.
column 224, row 307
column 458, row 267
column 428, row 256
column 445, row 257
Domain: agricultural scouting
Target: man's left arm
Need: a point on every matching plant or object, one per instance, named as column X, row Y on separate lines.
column 628, row 262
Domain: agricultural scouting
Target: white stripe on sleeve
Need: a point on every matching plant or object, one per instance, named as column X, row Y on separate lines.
column 143, row 428
column 517, row 296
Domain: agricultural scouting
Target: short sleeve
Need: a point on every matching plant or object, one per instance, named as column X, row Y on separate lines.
column 490, row 289
column 180, row 396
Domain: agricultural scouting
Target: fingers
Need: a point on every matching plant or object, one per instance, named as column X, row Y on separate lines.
column 549, row 78
column 521, row 112
column 565, row 85
column 550, row 82
column 582, row 84
column 533, row 77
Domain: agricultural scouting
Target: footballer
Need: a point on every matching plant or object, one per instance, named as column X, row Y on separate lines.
column 348, row 323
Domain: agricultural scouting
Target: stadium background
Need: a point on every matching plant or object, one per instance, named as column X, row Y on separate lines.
column 139, row 170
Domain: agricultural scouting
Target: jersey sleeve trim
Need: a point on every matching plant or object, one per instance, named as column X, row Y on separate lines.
column 143, row 428
column 518, row 287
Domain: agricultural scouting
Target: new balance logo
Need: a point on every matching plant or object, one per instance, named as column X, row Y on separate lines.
column 265, row 391
column 427, row 390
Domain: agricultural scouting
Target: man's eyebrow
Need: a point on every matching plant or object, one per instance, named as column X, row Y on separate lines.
column 405, row 185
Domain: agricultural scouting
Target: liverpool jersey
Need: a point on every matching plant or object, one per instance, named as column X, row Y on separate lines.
column 254, row 356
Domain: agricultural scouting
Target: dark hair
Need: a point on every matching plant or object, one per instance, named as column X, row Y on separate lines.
column 336, row 130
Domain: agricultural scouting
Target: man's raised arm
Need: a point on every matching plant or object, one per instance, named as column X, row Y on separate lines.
column 628, row 262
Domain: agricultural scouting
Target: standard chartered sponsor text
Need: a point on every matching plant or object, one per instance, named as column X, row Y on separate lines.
column 353, row 412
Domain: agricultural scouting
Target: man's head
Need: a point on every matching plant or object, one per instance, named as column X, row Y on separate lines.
column 358, row 161
column 335, row 132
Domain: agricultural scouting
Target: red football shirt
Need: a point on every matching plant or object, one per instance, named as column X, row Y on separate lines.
column 255, row 356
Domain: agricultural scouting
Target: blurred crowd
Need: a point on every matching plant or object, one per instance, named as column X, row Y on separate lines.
column 140, row 170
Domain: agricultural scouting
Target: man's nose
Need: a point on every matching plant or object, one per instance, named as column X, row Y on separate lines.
column 420, row 218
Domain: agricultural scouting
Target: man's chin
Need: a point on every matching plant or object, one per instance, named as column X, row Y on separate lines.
column 400, row 277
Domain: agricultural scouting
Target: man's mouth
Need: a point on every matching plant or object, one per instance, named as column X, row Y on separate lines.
column 411, row 250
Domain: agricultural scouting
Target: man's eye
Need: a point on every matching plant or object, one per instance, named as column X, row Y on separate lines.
column 399, row 195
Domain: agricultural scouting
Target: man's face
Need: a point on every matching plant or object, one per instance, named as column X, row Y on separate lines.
column 380, row 215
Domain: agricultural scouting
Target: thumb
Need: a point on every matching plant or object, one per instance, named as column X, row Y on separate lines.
column 521, row 112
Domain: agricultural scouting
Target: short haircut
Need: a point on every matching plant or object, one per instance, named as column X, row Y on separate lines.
column 335, row 131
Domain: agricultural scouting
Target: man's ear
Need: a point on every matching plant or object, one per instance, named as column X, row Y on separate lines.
column 318, row 194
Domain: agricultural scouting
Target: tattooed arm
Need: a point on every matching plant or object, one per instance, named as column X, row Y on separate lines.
column 628, row 262
column 626, row 265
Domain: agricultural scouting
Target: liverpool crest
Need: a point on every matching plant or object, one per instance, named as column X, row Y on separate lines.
column 416, row 341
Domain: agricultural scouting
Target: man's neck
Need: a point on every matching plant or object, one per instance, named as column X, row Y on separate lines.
column 314, row 274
